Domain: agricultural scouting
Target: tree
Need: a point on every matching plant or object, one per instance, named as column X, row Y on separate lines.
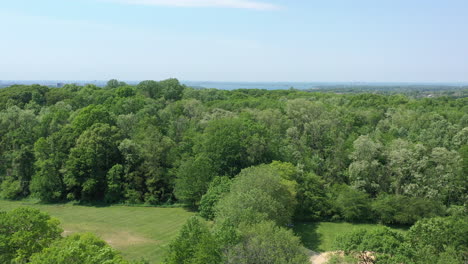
column 194, row 245
column 312, row 197
column 17, row 135
column 372, row 246
column 266, row 243
column 219, row 187
column 234, row 144
column 258, row 194
column 310, row 190
column 94, row 154
column 406, row 164
column 193, row 177
column 366, row 171
column 170, row 89
column 431, row 237
column 51, row 155
column 151, row 89
column 25, row 231
column 397, row 209
column 115, row 184
column 443, row 178
column 47, row 184
column 351, row 204
column 156, row 151
column 78, row 249
column 90, row 115
column 113, row 83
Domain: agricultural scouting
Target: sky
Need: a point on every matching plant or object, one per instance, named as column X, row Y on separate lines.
column 235, row 40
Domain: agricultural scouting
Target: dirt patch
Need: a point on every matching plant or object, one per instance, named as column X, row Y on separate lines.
column 319, row 258
column 67, row 232
column 120, row 239
column 125, row 239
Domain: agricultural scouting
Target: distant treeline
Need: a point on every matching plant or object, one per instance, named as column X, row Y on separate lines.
column 415, row 91
column 163, row 142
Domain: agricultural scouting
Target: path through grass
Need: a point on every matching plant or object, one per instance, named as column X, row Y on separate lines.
column 320, row 236
column 137, row 232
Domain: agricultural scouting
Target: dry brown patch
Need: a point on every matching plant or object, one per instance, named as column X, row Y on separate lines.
column 320, row 258
column 125, row 239
column 120, row 239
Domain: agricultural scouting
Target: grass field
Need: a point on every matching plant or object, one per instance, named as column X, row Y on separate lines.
column 137, row 232
column 145, row 232
column 320, row 236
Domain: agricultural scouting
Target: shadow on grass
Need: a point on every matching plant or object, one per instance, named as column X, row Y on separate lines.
column 307, row 231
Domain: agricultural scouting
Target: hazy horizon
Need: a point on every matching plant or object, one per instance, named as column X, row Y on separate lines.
column 236, row 41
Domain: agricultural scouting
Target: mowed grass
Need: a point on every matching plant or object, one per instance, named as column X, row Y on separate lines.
column 320, row 236
column 137, row 232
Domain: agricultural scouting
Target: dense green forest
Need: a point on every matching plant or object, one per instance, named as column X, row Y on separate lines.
column 252, row 162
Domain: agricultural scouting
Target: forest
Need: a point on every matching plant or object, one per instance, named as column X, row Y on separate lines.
column 251, row 163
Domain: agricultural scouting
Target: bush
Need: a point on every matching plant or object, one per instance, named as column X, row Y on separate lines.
column 78, row 249
column 258, row 194
column 351, row 204
column 368, row 245
column 266, row 243
column 10, row 189
column 398, row 209
column 194, row 245
column 25, row 231
column 218, row 187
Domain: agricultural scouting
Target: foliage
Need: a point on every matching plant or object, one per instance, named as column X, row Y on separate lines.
column 194, row 244
column 437, row 237
column 397, row 209
column 235, row 143
column 265, row 243
column 78, row 249
column 430, row 240
column 135, row 231
column 193, row 177
column 25, row 231
column 381, row 157
column 257, row 194
column 350, row 204
column 89, row 161
column 217, row 189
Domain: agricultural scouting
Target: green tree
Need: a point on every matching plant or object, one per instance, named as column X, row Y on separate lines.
column 25, row 231
column 113, row 83
column 90, row 115
column 372, row 246
column 366, row 171
column 78, row 249
column 194, row 245
column 47, row 184
column 94, row 154
column 18, row 131
column 234, row 144
column 170, row 89
column 431, row 237
column 351, row 204
column 266, row 243
column 193, row 178
column 257, row 194
column 397, row 209
column 115, row 184
column 219, row 187
column 310, row 189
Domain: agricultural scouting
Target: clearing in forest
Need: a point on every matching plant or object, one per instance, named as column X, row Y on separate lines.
column 137, row 232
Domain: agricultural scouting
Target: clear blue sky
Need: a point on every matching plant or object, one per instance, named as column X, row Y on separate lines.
column 235, row 40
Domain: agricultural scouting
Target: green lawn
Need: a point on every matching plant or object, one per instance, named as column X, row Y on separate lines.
column 138, row 232
column 320, row 236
